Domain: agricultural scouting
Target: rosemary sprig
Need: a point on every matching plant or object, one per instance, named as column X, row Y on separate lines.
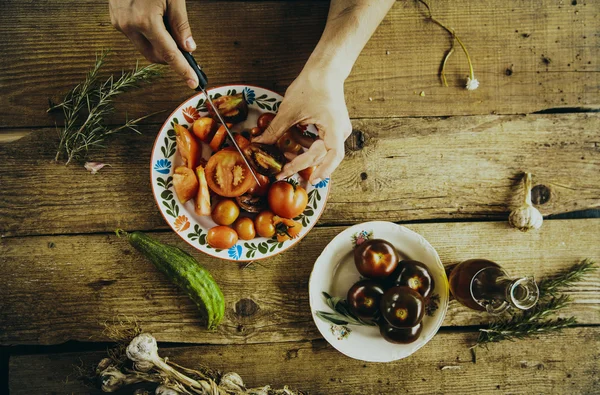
column 341, row 313
column 86, row 106
column 536, row 321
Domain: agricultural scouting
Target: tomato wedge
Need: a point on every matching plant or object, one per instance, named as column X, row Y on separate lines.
column 227, row 175
column 187, row 146
column 219, row 138
column 204, row 128
column 185, row 183
column 202, row 202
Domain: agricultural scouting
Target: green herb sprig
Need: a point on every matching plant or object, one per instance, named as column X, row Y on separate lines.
column 86, row 106
column 341, row 312
column 536, row 321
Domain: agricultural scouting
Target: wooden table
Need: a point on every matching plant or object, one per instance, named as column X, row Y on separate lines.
column 446, row 162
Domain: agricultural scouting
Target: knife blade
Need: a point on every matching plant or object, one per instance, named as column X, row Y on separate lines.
column 202, row 82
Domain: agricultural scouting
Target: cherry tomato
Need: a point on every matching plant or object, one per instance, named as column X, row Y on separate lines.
column 263, row 188
column 286, row 229
column 306, row 173
column 185, row 183
column 264, row 120
column 202, row 202
column 412, row 274
column 400, row 335
column 225, row 212
column 376, row 258
column 219, row 138
column 304, row 139
column 286, row 143
column 364, row 298
column 227, row 175
column 221, row 237
column 244, row 227
column 256, row 131
column 287, row 200
column 187, row 146
column 264, row 224
column 402, row 307
column 204, row 128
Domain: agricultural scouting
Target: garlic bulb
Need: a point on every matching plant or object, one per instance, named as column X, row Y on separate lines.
column 232, row 382
column 526, row 217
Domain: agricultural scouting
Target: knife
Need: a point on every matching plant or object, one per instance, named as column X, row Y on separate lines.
column 202, row 82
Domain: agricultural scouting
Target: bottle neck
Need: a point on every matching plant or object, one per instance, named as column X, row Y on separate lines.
column 522, row 293
column 496, row 292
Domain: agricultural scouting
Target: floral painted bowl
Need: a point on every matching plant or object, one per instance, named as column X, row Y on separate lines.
column 335, row 272
column 181, row 217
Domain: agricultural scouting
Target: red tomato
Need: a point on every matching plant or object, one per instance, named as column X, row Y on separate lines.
column 286, row 143
column 185, row 183
column 202, row 202
column 264, row 120
column 187, row 146
column 244, row 227
column 227, row 174
column 306, row 173
column 263, row 188
column 241, row 141
column 204, row 128
column 219, row 138
column 221, row 237
column 286, row 229
column 287, row 200
column 264, row 224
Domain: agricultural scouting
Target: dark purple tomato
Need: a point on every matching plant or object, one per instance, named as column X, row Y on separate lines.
column 364, row 298
column 412, row 274
column 402, row 307
column 376, row 258
column 400, row 335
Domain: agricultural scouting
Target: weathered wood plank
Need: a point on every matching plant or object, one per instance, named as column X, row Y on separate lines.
column 558, row 364
column 61, row 288
column 395, row 169
column 527, row 56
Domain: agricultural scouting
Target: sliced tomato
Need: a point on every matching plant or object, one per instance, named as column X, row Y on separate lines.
column 202, row 202
column 219, row 138
column 188, row 147
column 204, row 128
column 227, row 174
column 241, row 141
column 185, row 183
column 263, row 188
column 286, row 229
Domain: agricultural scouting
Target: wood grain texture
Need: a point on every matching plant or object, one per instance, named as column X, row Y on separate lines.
column 558, row 364
column 528, row 56
column 60, row 288
column 395, row 169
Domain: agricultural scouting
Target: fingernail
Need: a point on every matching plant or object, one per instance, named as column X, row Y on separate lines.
column 190, row 44
column 192, row 83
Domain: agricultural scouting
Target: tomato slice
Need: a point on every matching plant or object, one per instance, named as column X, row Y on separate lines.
column 187, row 146
column 204, row 128
column 219, row 138
column 185, row 183
column 202, row 202
column 227, row 174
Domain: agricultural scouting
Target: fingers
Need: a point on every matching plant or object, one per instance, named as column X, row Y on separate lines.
column 180, row 25
column 313, row 156
column 329, row 163
column 143, row 45
column 277, row 127
column 165, row 47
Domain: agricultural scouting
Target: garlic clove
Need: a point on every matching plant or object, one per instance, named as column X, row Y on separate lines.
column 526, row 217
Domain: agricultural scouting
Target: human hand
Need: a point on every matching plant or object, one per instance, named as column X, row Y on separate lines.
column 143, row 22
column 315, row 97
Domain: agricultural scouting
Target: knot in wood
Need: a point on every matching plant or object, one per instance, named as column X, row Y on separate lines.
column 540, row 194
column 356, row 140
column 246, row 307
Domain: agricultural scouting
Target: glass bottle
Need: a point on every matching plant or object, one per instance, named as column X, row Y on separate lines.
column 483, row 285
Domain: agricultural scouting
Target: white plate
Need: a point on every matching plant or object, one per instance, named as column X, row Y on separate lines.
column 334, row 272
column 181, row 218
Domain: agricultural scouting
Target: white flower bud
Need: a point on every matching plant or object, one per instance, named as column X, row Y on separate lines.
column 472, row 84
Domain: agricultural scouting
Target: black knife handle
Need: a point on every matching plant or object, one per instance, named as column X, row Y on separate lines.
column 202, row 79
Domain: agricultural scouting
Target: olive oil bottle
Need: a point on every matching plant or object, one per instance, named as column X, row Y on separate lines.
column 483, row 285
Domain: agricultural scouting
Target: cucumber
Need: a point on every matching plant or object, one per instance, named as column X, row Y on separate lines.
column 183, row 270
